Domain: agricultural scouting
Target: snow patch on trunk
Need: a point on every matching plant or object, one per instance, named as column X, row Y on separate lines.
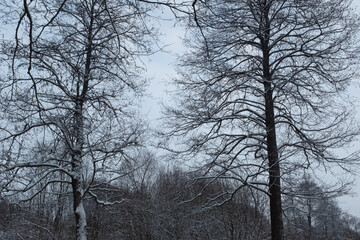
column 81, row 231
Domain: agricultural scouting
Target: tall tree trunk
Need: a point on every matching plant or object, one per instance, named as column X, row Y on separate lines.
column 277, row 228
column 273, row 157
column 309, row 219
column 77, row 184
column 274, row 171
column 79, row 211
column 78, row 196
column 82, row 89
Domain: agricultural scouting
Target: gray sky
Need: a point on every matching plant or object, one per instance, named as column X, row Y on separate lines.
column 351, row 203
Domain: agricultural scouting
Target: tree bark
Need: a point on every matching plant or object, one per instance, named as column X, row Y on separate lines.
column 79, row 211
column 78, row 191
column 274, row 165
column 77, row 186
column 274, row 171
column 77, row 165
column 309, row 205
column 271, row 142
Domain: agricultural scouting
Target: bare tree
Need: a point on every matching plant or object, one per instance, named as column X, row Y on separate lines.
column 260, row 91
column 310, row 208
column 69, row 101
column 352, row 226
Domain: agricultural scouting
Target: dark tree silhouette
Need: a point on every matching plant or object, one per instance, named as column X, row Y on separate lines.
column 69, row 102
column 259, row 91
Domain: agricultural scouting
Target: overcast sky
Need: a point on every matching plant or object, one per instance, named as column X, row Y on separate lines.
column 351, row 203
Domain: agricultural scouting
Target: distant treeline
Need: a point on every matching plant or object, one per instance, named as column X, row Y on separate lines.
column 170, row 207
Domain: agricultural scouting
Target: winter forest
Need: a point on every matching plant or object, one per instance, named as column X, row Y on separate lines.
column 257, row 139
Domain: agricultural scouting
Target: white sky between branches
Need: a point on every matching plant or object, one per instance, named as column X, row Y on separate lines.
column 161, row 68
column 351, row 203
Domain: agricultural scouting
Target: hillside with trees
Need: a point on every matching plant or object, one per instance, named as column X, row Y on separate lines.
column 161, row 209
